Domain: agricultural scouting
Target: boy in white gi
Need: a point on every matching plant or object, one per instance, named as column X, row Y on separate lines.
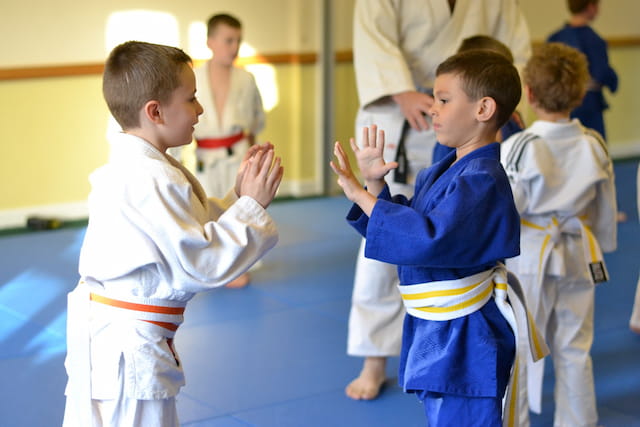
column 563, row 184
column 397, row 46
column 153, row 241
column 448, row 242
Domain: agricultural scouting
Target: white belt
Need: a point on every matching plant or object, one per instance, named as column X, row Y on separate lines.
column 451, row 299
column 86, row 301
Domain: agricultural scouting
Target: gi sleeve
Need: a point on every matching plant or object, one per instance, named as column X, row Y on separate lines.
column 603, row 216
column 513, row 31
column 380, row 67
column 599, row 68
column 257, row 109
column 474, row 223
column 202, row 252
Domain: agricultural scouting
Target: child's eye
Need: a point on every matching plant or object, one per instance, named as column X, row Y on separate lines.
column 443, row 101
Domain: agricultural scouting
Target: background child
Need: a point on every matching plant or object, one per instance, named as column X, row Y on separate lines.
column 448, row 240
column 233, row 112
column 578, row 34
column 563, row 185
column 515, row 122
column 153, row 241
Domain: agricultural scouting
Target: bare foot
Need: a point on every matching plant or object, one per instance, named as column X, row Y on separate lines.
column 239, row 282
column 368, row 385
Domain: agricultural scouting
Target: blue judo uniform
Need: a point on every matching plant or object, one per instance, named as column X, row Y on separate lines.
column 586, row 40
column 461, row 221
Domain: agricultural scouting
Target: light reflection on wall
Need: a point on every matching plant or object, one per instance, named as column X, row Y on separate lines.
column 141, row 25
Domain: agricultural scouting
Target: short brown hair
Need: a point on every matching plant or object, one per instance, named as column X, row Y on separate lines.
column 486, row 73
column 486, row 43
column 138, row 72
column 577, row 6
column 222, row 18
column 557, row 75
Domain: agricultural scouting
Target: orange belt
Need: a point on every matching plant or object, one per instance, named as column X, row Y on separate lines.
column 220, row 142
column 143, row 308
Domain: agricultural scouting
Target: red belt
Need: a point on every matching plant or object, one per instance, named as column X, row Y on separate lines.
column 220, row 142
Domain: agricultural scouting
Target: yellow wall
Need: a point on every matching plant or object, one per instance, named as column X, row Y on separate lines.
column 54, row 134
column 53, row 130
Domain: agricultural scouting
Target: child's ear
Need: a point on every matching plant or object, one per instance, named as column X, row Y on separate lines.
column 486, row 109
column 152, row 112
column 531, row 99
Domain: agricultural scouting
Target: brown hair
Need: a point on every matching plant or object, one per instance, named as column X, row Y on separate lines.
column 577, row 6
column 557, row 76
column 486, row 73
column 222, row 18
column 137, row 72
column 485, row 43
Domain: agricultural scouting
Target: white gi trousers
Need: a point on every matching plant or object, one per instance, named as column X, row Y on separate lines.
column 634, row 321
column 635, row 314
column 377, row 311
column 565, row 318
column 123, row 411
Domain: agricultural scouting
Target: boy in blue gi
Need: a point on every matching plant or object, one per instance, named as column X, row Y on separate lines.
column 578, row 34
column 448, row 240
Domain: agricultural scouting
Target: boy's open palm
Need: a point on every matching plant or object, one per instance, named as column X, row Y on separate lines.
column 261, row 177
column 370, row 156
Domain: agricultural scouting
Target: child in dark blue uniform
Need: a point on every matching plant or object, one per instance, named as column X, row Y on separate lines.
column 578, row 34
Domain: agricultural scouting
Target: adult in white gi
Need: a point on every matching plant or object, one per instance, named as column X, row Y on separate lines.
column 563, row 184
column 224, row 135
column 397, row 47
column 153, row 241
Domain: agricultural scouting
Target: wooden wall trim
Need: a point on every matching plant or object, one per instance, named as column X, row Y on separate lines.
column 275, row 58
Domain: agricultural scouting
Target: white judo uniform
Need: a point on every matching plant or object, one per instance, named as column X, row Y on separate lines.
column 397, row 46
column 563, row 185
column 243, row 115
column 634, row 320
column 153, row 241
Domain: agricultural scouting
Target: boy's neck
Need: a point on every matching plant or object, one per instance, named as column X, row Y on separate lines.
column 580, row 19
column 480, row 141
column 216, row 66
column 553, row 117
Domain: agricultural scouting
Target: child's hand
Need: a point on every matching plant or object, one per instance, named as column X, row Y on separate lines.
column 348, row 181
column 253, row 149
column 370, row 156
column 261, row 176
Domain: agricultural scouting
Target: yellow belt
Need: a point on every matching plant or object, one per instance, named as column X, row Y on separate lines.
column 451, row 299
column 573, row 225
